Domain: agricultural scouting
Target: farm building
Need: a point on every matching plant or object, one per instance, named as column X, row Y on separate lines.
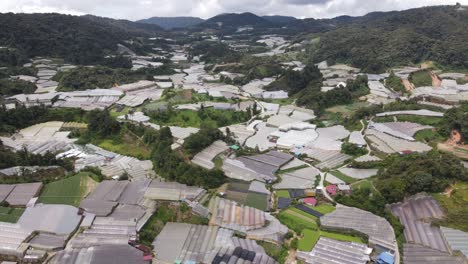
column 137, row 117
column 179, row 243
column 206, row 156
column 417, row 254
column 88, row 99
column 456, row 239
column 415, row 213
column 331, row 189
column 257, row 167
column 19, row 194
column 333, row 251
column 357, row 138
column 378, row 229
column 310, row 201
column 298, row 179
column 55, row 219
column 239, row 132
column 172, row 191
column 105, row 253
column 421, row 112
column 402, row 130
column 134, row 86
column 388, row 144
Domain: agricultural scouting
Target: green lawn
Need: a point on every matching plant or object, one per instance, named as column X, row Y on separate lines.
column 189, row 118
column 324, row 208
column 69, row 191
column 343, row 177
column 308, row 240
column 283, row 193
column 10, row 215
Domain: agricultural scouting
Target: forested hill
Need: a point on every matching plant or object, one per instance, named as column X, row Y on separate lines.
column 77, row 39
column 173, row 22
column 381, row 40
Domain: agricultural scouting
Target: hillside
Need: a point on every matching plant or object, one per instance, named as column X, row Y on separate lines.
column 79, row 40
column 235, row 20
column 172, row 22
column 280, row 19
column 381, row 40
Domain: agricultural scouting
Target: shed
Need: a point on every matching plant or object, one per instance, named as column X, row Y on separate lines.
column 310, row 201
column 386, row 258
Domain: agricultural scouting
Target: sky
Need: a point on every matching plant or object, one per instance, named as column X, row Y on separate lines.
column 140, row 9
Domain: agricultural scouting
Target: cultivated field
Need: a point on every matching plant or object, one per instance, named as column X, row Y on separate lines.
column 70, row 190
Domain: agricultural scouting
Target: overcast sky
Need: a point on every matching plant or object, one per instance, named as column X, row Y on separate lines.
column 138, row 9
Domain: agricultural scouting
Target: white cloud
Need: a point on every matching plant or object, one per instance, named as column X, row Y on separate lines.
column 138, row 9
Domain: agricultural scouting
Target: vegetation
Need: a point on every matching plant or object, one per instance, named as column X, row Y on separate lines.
column 77, row 39
column 10, row 215
column 455, row 119
column 279, row 253
column 420, row 78
column 455, row 203
column 165, row 213
column 173, row 166
column 343, row 176
column 202, row 139
column 84, row 78
column 395, row 83
column 12, row 87
column 189, row 118
column 214, row 52
column 311, row 237
column 21, row 117
column 353, row 150
column 428, row 172
column 70, row 190
column 25, row 158
column 376, row 42
column 282, row 193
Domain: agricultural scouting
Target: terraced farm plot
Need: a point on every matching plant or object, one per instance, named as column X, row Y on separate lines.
column 10, row 215
column 69, row 191
column 283, row 193
column 343, row 177
column 297, row 220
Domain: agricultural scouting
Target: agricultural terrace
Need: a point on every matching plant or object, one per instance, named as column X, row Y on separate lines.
column 69, row 191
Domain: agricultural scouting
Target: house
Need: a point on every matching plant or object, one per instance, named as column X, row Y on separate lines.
column 331, row 189
column 310, row 201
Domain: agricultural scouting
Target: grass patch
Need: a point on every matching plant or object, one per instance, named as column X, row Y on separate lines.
column 189, row 118
column 343, row 177
column 324, row 208
column 297, row 222
column 455, row 206
column 257, row 200
column 283, row 193
column 310, row 238
column 126, row 144
column 279, row 253
column 347, row 110
column 69, row 191
column 423, row 120
column 363, row 184
column 10, row 215
column 420, row 78
column 429, row 136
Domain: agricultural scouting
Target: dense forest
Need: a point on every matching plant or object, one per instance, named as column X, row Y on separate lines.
column 456, row 118
column 79, row 40
column 412, row 36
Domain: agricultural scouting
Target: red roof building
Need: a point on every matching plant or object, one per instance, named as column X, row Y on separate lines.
column 310, row 201
column 331, row 189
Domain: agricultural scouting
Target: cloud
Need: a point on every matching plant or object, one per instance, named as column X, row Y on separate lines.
column 138, row 9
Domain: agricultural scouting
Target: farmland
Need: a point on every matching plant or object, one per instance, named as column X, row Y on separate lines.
column 10, row 215
column 455, row 204
column 69, row 191
column 343, row 177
